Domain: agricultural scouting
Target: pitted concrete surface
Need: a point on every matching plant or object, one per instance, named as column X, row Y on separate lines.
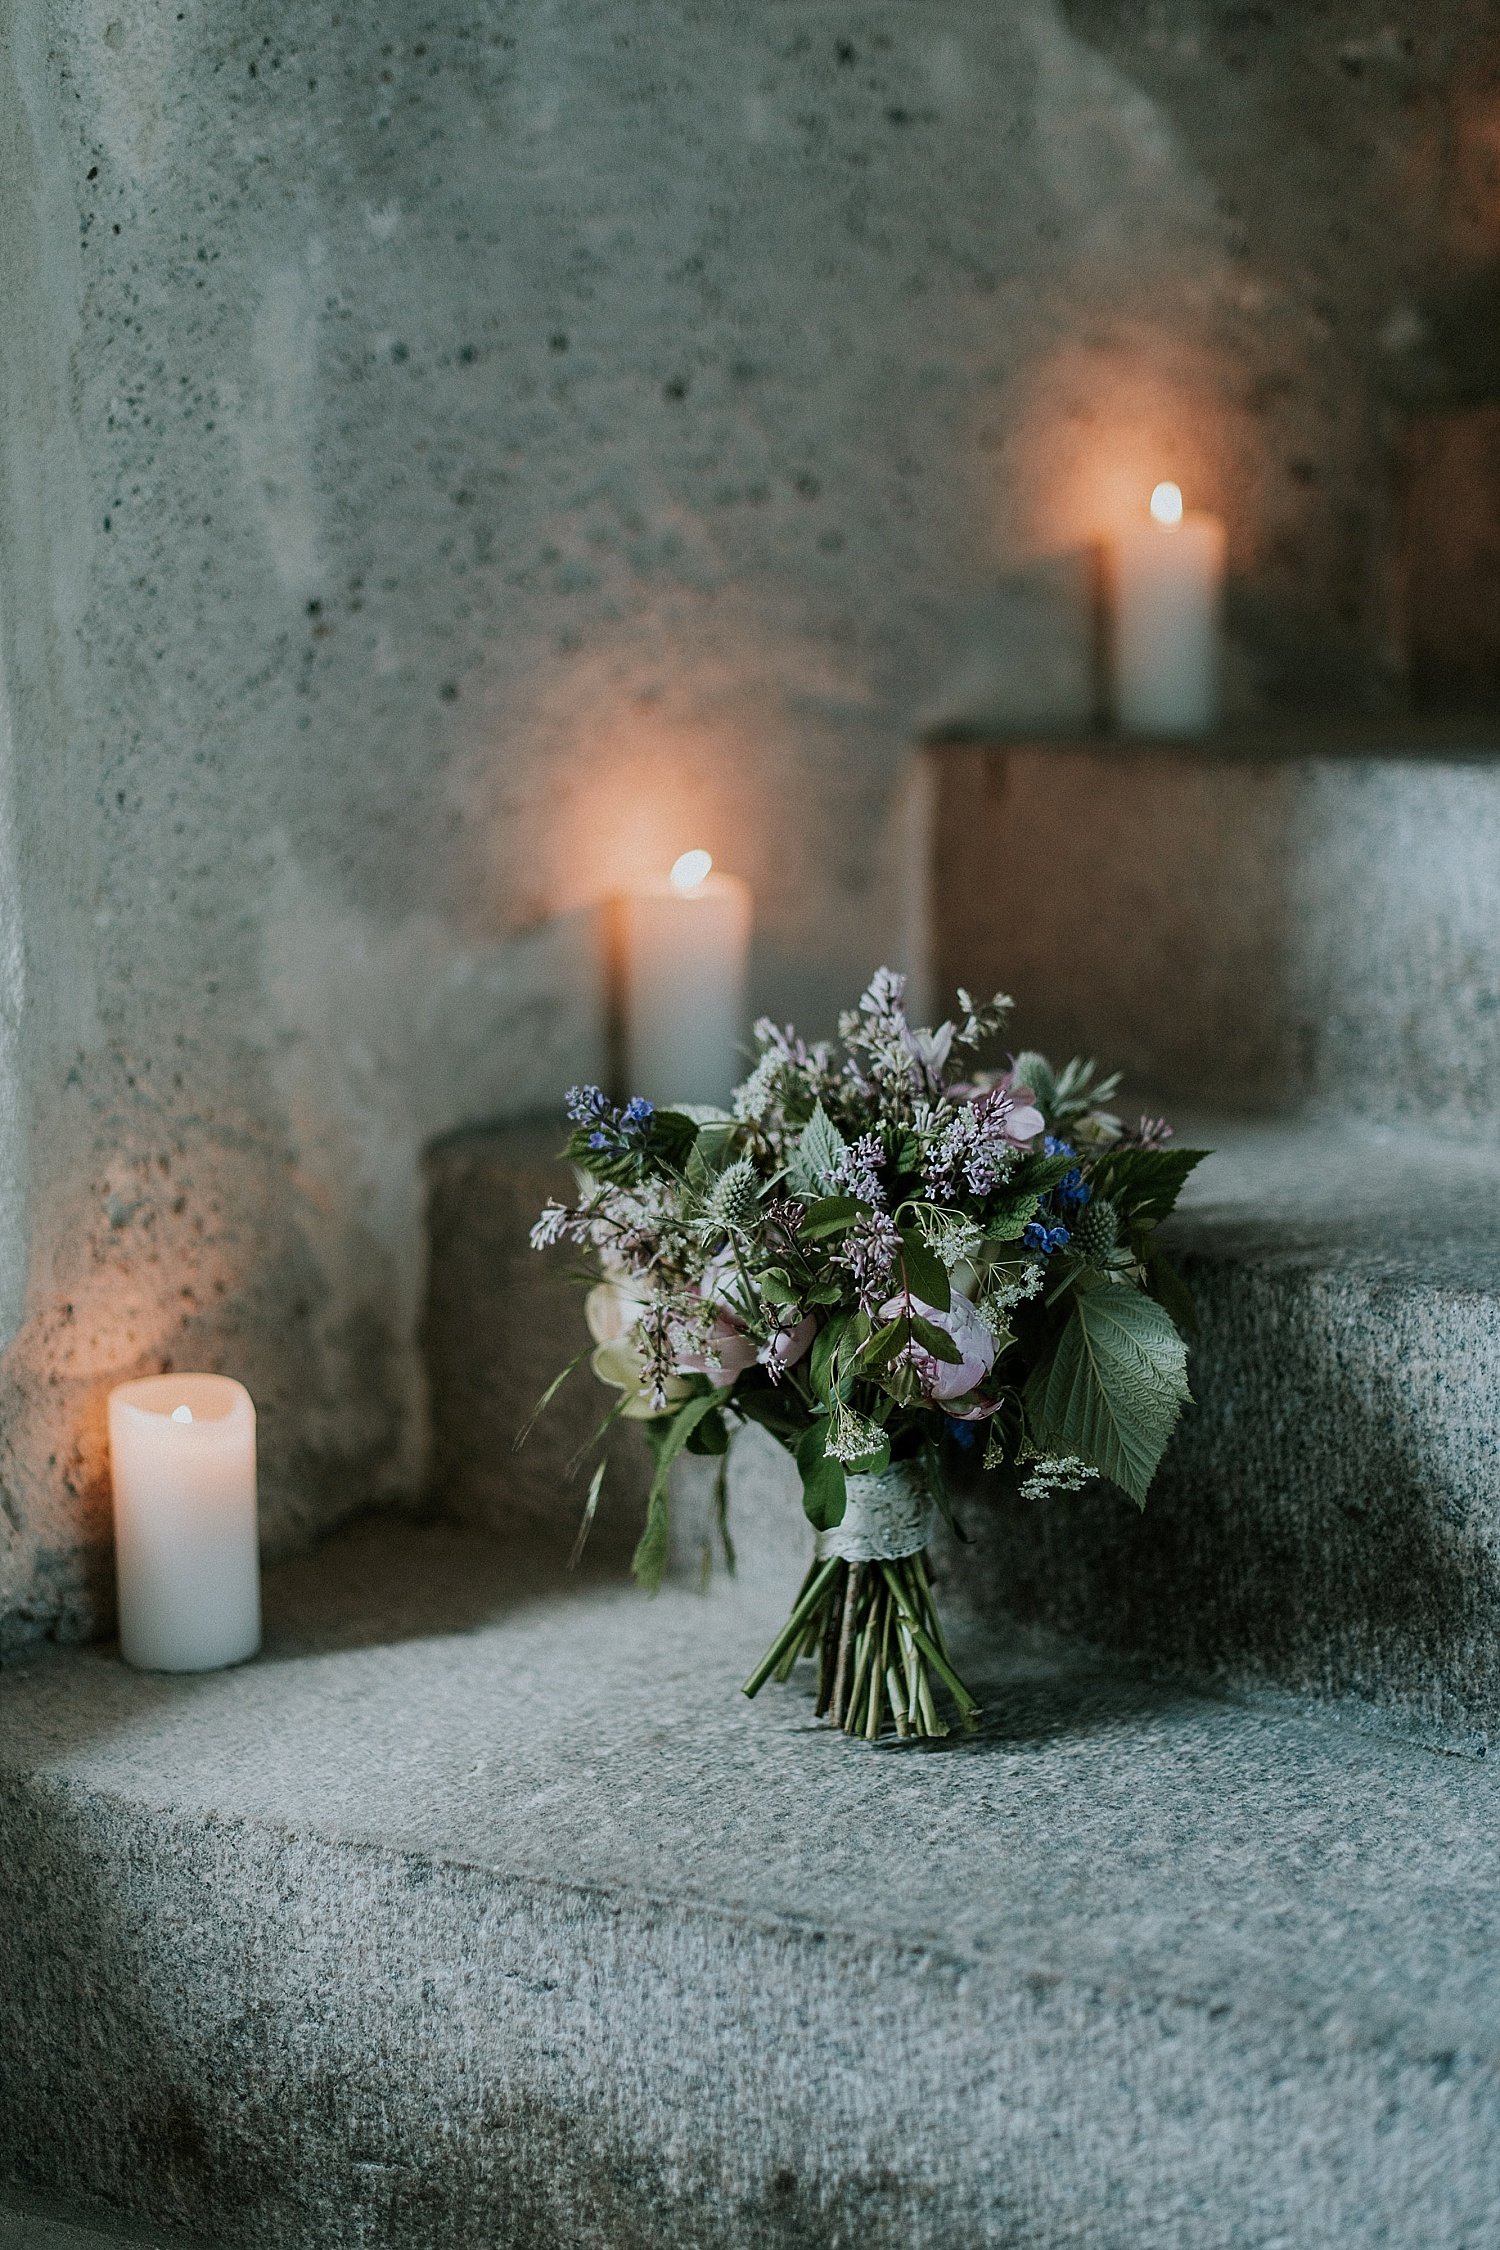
column 536, row 1926
column 457, row 460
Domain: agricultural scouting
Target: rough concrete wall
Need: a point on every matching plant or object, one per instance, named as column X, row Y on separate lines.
column 456, row 457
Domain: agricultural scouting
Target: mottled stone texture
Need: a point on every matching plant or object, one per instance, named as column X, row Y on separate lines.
column 502, row 1322
column 522, row 1926
column 454, row 458
column 1264, row 928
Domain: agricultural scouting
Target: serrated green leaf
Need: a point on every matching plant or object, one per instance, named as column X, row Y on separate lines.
column 1035, row 1174
column 1008, row 1217
column 819, row 1146
column 1114, row 1388
column 824, row 1495
column 926, row 1275
column 1144, row 1182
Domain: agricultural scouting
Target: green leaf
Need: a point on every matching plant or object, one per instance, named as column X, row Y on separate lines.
column 670, row 1139
column 926, row 1275
column 820, row 1360
column 823, row 1492
column 548, row 1395
column 872, row 1464
column 590, row 1508
column 935, row 1341
column 831, row 1214
column 881, row 1348
column 816, row 1154
column 1035, row 1174
column 1144, row 1182
column 1115, row 1386
column 649, row 1562
column 1008, row 1217
column 711, row 1435
column 776, row 1407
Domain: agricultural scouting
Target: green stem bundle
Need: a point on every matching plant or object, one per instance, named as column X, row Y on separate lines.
column 874, row 1629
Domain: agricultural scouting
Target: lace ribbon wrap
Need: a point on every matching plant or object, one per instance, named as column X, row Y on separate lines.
column 885, row 1518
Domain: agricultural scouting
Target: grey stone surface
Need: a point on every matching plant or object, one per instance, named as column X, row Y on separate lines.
column 484, row 1909
column 1262, row 930
column 1327, row 1521
column 454, row 459
column 37, row 2222
column 501, row 1323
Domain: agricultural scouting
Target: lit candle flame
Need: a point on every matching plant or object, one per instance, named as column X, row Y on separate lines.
column 1166, row 505
column 690, row 872
column 182, row 1414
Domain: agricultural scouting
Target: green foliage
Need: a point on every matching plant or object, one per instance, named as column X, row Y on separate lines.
column 667, row 1439
column 830, row 1215
column 1008, row 1215
column 1064, row 1096
column 815, row 1154
column 926, row 1275
column 824, row 1495
column 1114, row 1386
column 1144, row 1183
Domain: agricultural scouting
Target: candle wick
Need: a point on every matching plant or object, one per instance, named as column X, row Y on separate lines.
column 182, row 1414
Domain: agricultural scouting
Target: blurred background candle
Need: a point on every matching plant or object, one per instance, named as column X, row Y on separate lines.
column 1168, row 587
column 684, row 946
column 182, row 1459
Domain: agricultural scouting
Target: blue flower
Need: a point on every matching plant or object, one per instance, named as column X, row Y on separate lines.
column 964, row 1434
column 598, row 1140
column 1038, row 1236
column 1053, row 1147
column 585, row 1103
column 637, row 1115
column 1073, row 1188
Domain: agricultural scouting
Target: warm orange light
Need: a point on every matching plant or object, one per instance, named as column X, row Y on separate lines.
column 1166, row 506
column 690, row 872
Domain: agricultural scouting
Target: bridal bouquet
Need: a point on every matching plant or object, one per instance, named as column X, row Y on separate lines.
column 888, row 1256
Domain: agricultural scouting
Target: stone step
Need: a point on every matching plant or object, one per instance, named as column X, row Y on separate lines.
column 1284, row 922
column 1327, row 1522
column 38, row 2222
column 483, row 1909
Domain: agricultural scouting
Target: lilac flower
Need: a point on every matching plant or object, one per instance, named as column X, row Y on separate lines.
column 869, row 1251
column 857, row 1171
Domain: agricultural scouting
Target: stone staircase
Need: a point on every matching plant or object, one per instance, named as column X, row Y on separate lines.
column 483, row 1911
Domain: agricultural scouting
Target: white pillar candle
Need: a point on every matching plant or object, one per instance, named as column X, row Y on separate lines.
column 684, row 946
column 1169, row 585
column 182, row 1458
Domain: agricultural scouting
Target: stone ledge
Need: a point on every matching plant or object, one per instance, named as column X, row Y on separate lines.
column 540, row 1933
